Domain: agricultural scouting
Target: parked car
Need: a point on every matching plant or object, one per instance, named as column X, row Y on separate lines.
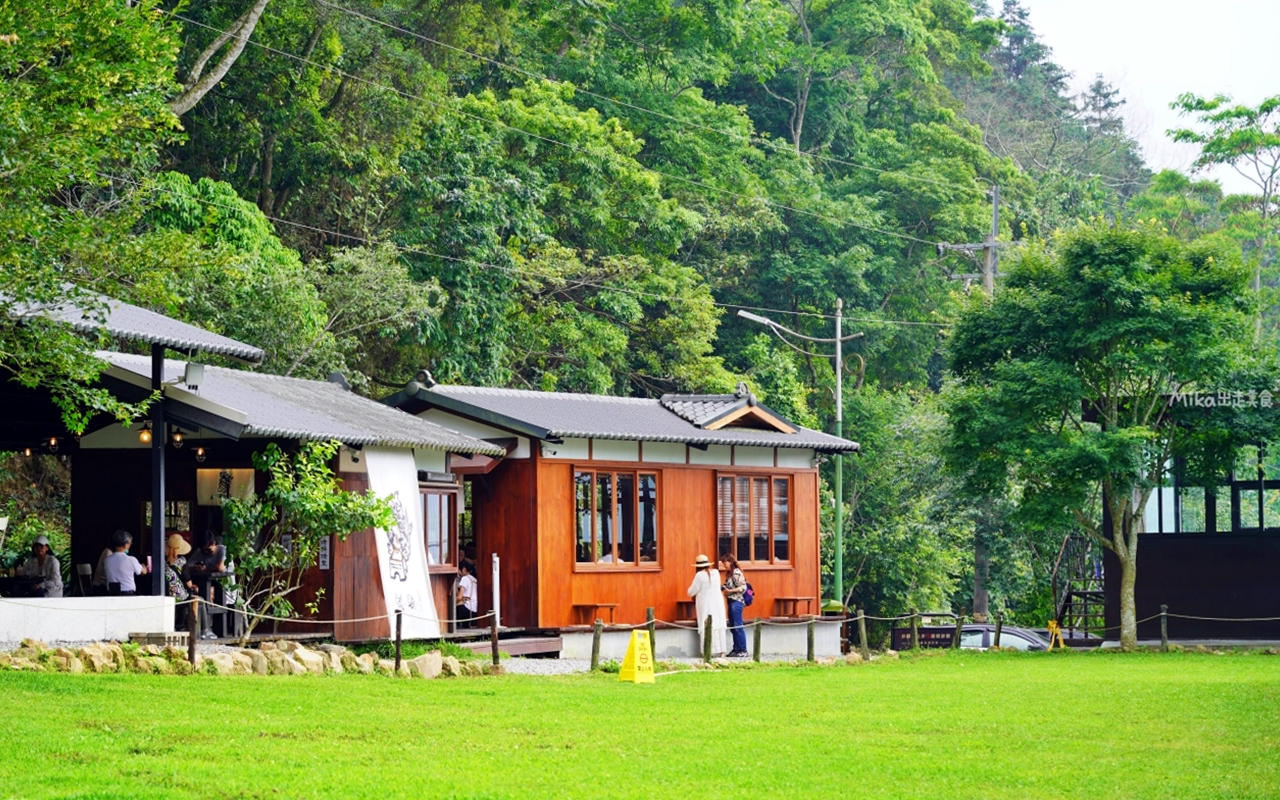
column 981, row 636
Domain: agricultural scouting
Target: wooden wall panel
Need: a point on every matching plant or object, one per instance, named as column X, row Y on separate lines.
column 357, row 579
column 687, row 528
column 1201, row 575
column 503, row 517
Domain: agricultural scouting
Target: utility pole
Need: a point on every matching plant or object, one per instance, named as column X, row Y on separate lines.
column 990, row 261
column 989, row 247
column 839, row 341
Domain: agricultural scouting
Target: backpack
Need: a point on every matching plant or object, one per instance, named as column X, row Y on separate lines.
column 748, row 596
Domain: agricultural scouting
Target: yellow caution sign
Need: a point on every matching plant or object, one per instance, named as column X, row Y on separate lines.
column 637, row 665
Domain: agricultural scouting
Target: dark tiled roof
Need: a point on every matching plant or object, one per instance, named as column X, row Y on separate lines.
column 294, row 408
column 558, row 415
column 700, row 409
column 132, row 323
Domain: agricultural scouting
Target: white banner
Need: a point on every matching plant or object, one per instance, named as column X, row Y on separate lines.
column 402, row 559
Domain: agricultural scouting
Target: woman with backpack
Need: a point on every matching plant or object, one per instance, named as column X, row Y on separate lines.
column 734, row 591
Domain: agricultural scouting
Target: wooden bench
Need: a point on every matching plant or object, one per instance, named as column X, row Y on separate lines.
column 590, row 612
column 686, row 610
column 790, row 606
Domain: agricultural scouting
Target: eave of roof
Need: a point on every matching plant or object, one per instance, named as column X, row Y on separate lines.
column 294, row 408
column 128, row 322
column 468, row 402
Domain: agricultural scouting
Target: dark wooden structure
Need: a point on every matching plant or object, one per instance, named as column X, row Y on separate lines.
column 1208, row 551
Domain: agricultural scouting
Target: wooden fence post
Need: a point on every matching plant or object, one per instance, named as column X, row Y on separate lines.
column 955, row 637
column 755, row 640
column 399, row 617
column 809, row 643
column 596, row 633
column 706, row 640
column 493, row 637
column 1164, row 628
column 915, row 629
column 862, row 635
column 193, row 628
column 999, row 627
column 652, row 624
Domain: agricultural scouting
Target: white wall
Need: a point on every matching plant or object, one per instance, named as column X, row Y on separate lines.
column 752, row 456
column 614, row 450
column 795, row 457
column 429, row 460
column 577, row 449
column 717, row 454
column 83, row 619
column 477, row 429
column 664, row 452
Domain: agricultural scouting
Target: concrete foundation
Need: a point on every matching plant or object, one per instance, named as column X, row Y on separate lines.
column 775, row 640
column 80, row 619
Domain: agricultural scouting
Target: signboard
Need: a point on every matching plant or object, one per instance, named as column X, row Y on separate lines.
column 637, row 664
column 324, row 552
column 402, row 559
column 931, row 636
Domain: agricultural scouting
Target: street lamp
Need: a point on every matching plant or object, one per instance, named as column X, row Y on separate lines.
column 839, row 339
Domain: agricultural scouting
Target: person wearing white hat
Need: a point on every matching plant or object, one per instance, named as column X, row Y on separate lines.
column 705, row 591
column 44, row 564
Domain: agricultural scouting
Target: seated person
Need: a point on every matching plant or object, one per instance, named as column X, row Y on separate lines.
column 121, row 568
column 209, row 558
column 175, row 559
column 99, row 584
column 43, row 564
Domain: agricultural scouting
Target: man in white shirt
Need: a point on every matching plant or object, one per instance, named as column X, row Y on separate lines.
column 465, row 604
column 121, row 568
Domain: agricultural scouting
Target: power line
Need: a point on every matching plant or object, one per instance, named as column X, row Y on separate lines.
column 574, row 148
column 408, row 250
column 729, row 134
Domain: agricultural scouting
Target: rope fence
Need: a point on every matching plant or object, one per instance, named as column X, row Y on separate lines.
column 706, row 630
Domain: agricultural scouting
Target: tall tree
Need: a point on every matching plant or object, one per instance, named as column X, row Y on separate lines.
column 83, row 85
column 1247, row 139
column 1065, row 380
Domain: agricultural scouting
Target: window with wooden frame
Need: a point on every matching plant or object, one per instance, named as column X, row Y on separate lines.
column 440, row 526
column 753, row 518
column 615, row 518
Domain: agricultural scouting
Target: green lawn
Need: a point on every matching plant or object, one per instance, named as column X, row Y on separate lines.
column 995, row 725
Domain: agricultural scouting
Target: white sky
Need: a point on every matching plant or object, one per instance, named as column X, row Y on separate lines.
column 1154, row 50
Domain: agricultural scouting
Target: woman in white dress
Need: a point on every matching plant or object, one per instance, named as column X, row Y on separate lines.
column 705, row 590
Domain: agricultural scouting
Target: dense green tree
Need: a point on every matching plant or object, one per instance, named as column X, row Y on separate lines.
column 1247, row 139
column 83, row 86
column 1064, row 381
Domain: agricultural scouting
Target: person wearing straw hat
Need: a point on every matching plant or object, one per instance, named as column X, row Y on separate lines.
column 705, row 591
column 43, row 564
column 175, row 559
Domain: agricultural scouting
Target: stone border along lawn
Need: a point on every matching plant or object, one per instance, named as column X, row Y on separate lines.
column 282, row 657
column 933, row 724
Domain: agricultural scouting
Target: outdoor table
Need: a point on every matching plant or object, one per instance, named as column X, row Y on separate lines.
column 20, row 586
column 789, row 606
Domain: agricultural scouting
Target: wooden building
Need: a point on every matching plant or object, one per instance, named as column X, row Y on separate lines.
column 196, row 448
column 1210, row 552
column 602, row 504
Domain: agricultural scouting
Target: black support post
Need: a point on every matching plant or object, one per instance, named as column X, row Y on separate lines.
column 157, row 473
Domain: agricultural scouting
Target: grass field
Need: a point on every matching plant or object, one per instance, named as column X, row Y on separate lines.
column 993, row 725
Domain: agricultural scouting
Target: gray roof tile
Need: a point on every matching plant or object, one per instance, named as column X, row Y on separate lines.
column 304, row 409
column 132, row 323
column 584, row 416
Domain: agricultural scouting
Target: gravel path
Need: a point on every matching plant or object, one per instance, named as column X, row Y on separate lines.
column 568, row 666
